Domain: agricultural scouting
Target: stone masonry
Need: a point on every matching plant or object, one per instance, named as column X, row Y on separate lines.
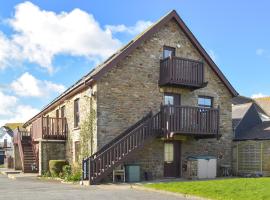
column 130, row 90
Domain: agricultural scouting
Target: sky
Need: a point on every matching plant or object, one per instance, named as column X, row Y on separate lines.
column 47, row 45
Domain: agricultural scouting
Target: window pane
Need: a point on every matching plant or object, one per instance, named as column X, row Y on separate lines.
column 168, row 100
column 168, row 152
column 205, row 101
column 168, row 51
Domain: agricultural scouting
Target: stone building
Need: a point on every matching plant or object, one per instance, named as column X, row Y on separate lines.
column 153, row 103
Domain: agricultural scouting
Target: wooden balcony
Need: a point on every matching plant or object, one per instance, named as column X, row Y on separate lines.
column 183, row 72
column 49, row 128
column 193, row 121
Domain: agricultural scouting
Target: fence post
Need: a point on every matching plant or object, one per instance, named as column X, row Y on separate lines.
column 261, row 157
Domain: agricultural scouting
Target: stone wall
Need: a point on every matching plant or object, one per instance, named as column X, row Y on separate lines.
column 130, row 90
column 74, row 133
column 50, row 150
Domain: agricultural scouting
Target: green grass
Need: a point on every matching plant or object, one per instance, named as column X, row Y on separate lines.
column 226, row 189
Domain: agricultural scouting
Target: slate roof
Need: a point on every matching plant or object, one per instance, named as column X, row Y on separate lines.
column 241, row 100
column 4, row 130
column 259, row 132
column 264, row 103
column 238, row 112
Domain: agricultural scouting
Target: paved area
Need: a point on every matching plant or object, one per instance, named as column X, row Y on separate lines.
column 30, row 188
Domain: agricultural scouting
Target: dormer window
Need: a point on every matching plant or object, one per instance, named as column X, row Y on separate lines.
column 168, row 52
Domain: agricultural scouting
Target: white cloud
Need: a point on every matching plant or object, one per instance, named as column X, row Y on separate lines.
column 213, row 55
column 260, row 51
column 28, row 85
column 258, row 95
column 139, row 27
column 40, row 35
column 6, row 103
column 12, row 111
column 8, row 51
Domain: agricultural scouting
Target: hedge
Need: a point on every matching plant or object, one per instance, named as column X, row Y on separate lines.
column 56, row 166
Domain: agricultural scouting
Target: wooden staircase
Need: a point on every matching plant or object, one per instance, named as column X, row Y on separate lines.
column 26, row 149
column 29, row 161
column 120, row 149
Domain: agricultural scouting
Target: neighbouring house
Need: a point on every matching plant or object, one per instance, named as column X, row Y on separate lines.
column 6, row 144
column 154, row 103
column 264, row 103
column 251, row 147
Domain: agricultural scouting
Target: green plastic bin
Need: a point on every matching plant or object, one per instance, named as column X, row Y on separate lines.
column 133, row 173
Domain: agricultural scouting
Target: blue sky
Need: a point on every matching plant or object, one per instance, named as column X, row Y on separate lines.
column 45, row 46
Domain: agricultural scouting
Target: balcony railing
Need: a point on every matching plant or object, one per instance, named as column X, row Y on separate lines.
column 49, row 128
column 187, row 120
column 181, row 72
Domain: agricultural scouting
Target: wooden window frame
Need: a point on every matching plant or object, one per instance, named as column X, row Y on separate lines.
column 57, row 113
column 61, row 111
column 206, row 97
column 76, row 113
column 169, row 49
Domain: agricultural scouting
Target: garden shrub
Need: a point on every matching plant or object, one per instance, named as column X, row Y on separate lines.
column 56, row 167
column 71, row 173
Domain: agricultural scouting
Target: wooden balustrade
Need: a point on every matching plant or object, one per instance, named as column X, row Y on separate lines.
column 99, row 164
column 186, row 120
column 49, row 128
column 181, row 71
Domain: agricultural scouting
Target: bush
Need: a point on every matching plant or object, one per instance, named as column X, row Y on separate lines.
column 45, row 174
column 56, row 167
column 67, row 171
column 71, row 173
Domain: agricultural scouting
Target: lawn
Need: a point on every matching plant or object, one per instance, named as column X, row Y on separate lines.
column 226, row 189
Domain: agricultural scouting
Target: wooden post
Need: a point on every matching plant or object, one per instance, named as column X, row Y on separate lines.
column 237, row 160
column 218, row 118
column 261, row 157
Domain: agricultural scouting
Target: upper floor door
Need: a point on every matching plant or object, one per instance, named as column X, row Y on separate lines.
column 172, row 99
column 168, row 52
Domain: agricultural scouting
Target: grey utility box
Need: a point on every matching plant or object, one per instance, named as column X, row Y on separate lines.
column 133, row 173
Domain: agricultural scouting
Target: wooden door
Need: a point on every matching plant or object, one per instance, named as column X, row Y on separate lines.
column 172, row 159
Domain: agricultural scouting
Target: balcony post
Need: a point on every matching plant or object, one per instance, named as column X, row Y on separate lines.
column 218, row 111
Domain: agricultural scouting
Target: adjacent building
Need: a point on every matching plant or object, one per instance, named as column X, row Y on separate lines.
column 251, row 146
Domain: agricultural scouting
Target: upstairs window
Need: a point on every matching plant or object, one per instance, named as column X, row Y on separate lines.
column 168, row 52
column 205, row 101
column 63, row 111
column 76, row 113
column 57, row 113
